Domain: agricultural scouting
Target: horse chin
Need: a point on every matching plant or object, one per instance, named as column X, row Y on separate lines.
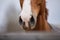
column 28, row 28
column 32, row 27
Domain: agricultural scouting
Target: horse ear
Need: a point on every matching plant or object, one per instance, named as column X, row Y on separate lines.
column 21, row 3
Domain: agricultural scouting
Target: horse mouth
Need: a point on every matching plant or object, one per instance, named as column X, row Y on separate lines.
column 28, row 28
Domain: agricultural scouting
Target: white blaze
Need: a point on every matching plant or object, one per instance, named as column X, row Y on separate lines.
column 26, row 11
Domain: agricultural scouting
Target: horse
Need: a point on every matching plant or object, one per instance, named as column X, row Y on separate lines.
column 34, row 15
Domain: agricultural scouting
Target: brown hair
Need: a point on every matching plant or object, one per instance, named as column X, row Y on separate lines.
column 42, row 24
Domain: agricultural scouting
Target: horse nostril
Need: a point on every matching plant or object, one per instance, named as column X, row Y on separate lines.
column 32, row 21
column 20, row 21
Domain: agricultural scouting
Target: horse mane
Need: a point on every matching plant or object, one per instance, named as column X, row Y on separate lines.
column 42, row 24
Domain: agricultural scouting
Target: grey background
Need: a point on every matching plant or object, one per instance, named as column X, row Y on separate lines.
column 54, row 11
